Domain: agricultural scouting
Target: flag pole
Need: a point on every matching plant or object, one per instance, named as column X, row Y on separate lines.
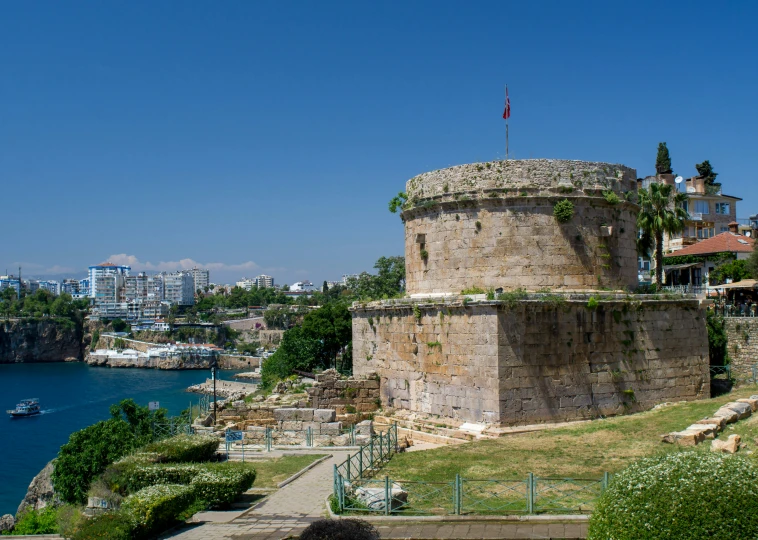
column 506, row 124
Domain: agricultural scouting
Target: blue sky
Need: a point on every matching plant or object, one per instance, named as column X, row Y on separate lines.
column 268, row 137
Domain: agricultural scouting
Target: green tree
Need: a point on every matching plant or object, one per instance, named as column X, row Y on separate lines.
column 118, row 325
column 388, row 282
column 398, row 202
column 324, row 287
column 752, row 263
column 663, row 160
column 661, row 212
column 331, row 326
column 717, row 339
column 296, row 351
column 706, row 172
column 734, row 270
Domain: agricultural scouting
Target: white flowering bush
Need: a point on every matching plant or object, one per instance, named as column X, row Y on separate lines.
column 142, row 476
column 154, row 508
column 185, row 448
column 221, row 484
column 684, row 495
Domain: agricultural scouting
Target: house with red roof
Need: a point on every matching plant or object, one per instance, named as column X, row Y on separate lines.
column 692, row 264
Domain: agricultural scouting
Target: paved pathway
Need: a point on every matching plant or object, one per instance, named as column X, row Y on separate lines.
column 288, row 511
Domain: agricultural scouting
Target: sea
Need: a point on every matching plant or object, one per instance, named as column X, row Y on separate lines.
column 73, row 395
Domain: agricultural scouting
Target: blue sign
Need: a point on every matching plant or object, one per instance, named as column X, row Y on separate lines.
column 233, row 436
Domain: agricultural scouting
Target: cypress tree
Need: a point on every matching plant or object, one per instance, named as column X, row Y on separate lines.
column 663, row 160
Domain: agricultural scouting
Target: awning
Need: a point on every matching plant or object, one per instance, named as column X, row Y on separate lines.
column 679, row 266
column 744, row 284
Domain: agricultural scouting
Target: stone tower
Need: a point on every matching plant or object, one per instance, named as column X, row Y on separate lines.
column 491, row 225
column 514, row 316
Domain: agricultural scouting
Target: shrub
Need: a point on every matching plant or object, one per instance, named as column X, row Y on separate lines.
column 592, row 303
column 717, row 339
column 185, row 448
column 340, row 529
column 563, row 211
column 686, row 495
column 222, row 483
column 112, row 525
column 511, row 298
column 154, row 508
column 473, row 290
column 86, row 454
column 610, row 197
column 43, row 521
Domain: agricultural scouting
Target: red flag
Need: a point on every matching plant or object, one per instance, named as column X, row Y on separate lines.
column 507, row 111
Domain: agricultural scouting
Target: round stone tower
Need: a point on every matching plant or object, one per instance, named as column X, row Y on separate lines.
column 495, row 226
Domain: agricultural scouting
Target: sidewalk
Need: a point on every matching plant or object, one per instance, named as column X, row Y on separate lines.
column 288, row 511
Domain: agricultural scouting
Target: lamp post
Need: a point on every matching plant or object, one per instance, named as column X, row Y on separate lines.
column 214, row 371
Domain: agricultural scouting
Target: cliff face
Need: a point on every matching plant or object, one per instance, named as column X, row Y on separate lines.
column 40, row 341
column 40, row 492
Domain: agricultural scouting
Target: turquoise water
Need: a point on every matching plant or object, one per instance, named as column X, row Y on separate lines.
column 72, row 396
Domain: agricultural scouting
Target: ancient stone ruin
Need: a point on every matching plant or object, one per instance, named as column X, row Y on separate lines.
column 518, row 308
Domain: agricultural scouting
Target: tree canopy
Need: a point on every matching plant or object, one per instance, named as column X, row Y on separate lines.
column 388, row 282
column 734, row 270
column 663, row 160
column 661, row 212
column 706, row 172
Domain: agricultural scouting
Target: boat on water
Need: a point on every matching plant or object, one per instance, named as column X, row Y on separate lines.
column 26, row 407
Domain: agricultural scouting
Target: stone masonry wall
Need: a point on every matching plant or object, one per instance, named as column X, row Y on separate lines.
column 511, row 243
column 331, row 392
column 532, row 361
column 491, row 225
column 742, row 333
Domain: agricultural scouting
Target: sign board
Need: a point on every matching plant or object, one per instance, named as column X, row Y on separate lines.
column 233, row 436
column 154, row 405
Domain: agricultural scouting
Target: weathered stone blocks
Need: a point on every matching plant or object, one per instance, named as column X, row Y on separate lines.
column 531, row 360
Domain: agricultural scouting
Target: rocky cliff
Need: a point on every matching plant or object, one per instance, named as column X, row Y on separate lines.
column 40, row 492
column 48, row 340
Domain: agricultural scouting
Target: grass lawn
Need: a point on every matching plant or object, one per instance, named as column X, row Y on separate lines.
column 270, row 472
column 584, row 451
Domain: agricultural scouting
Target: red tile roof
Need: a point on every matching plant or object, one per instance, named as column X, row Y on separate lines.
column 724, row 242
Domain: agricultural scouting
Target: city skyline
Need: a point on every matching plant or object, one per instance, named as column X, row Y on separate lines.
column 256, row 139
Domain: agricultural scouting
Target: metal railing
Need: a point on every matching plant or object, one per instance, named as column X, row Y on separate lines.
column 174, row 425
column 742, row 310
column 532, row 495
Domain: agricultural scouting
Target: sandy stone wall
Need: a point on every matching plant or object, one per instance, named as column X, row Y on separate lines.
column 270, row 337
column 742, row 333
column 532, row 361
column 331, row 392
column 491, row 225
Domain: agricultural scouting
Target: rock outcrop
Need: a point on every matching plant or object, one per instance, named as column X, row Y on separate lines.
column 48, row 340
column 41, row 492
column 7, row 522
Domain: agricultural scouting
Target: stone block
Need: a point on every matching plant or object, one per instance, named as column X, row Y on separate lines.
column 750, row 401
column 684, row 438
column 331, row 428
column 365, row 428
column 727, row 414
column 729, row 446
column 324, row 415
column 742, row 409
column 291, row 425
column 708, row 430
column 718, row 421
column 284, row 415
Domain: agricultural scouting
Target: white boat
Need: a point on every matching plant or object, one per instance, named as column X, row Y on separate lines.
column 26, row 407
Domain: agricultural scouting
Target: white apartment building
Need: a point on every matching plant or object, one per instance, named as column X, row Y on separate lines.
column 246, row 283
column 178, row 288
column 105, row 269
column 302, row 286
column 201, row 278
column 264, row 282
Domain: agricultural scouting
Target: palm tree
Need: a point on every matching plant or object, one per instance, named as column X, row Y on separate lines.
column 661, row 212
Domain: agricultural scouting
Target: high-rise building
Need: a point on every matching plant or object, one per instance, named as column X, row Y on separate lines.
column 105, row 269
column 264, row 282
column 178, row 288
column 201, row 278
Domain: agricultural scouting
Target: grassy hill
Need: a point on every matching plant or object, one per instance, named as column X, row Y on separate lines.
column 582, row 451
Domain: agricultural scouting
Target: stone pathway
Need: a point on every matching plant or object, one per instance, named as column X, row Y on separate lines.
column 285, row 512
column 288, row 511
